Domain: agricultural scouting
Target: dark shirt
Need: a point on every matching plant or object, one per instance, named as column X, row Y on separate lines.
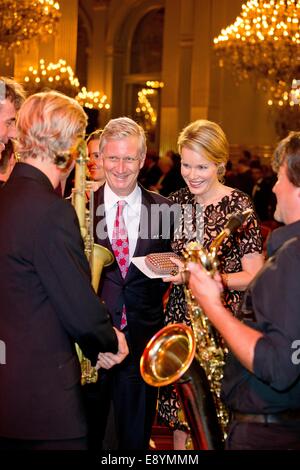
column 274, row 299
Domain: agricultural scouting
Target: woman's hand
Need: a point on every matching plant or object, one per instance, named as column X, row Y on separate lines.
column 178, row 278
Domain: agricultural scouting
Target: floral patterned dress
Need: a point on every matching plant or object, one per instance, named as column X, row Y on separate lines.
column 203, row 224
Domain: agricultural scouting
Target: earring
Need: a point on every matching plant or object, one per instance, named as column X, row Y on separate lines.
column 221, row 169
column 61, row 160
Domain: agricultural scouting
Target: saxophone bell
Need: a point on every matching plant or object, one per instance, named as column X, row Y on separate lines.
column 168, row 355
column 169, row 358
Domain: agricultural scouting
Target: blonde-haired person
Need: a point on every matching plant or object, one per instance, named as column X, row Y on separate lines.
column 206, row 207
column 47, row 302
column 261, row 384
column 48, row 125
column 124, row 127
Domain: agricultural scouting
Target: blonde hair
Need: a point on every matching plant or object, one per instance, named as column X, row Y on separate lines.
column 206, row 137
column 48, row 125
column 95, row 135
column 120, row 128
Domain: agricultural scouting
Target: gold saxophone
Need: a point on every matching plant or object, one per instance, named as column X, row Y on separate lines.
column 193, row 359
column 98, row 255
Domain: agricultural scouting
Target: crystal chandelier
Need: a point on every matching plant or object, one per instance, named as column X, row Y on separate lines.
column 21, row 20
column 287, row 114
column 92, row 99
column 147, row 104
column 145, row 107
column 58, row 76
column 295, row 93
column 263, row 45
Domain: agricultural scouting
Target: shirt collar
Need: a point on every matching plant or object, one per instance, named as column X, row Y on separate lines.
column 112, row 198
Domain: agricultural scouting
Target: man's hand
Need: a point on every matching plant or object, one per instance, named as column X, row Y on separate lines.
column 108, row 360
column 207, row 290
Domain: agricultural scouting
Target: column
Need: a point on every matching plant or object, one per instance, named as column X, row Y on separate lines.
column 170, row 77
column 186, row 47
column 96, row 65
column 201, row 60
column 65, row 43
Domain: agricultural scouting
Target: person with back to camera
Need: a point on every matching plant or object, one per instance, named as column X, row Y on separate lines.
column 206, row 207
column 47, row 301
column 261, row 384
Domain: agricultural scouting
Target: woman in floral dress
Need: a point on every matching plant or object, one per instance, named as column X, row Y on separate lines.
column 206, row 205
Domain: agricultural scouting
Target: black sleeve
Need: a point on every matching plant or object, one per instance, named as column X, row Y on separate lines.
column 64, row 271
column 278, row 309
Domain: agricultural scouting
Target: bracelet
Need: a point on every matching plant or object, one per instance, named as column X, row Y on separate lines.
column 224, row 277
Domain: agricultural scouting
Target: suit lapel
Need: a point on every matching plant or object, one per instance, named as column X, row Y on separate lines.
column 142, row 243
column 145, row 220
column 100, row 234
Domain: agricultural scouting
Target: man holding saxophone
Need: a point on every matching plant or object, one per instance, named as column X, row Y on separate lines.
column 47, row 301
column 261, row 384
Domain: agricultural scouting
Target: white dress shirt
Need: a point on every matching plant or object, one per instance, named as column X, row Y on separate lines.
column 131, row 214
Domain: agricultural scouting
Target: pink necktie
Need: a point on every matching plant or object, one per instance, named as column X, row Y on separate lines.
column 120, row 246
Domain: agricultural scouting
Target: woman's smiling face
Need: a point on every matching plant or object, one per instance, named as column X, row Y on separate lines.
column 199, row 173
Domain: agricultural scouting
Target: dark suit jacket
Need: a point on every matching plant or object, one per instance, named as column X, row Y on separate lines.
column 142, row 296
column 47, row 304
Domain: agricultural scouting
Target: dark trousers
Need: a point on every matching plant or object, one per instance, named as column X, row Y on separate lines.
column 63, row 444
column 254, row 436
column 134, row 405
column 100, row 416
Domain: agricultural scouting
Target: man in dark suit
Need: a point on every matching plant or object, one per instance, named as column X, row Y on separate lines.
column 133, row 300
column 47, row 302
